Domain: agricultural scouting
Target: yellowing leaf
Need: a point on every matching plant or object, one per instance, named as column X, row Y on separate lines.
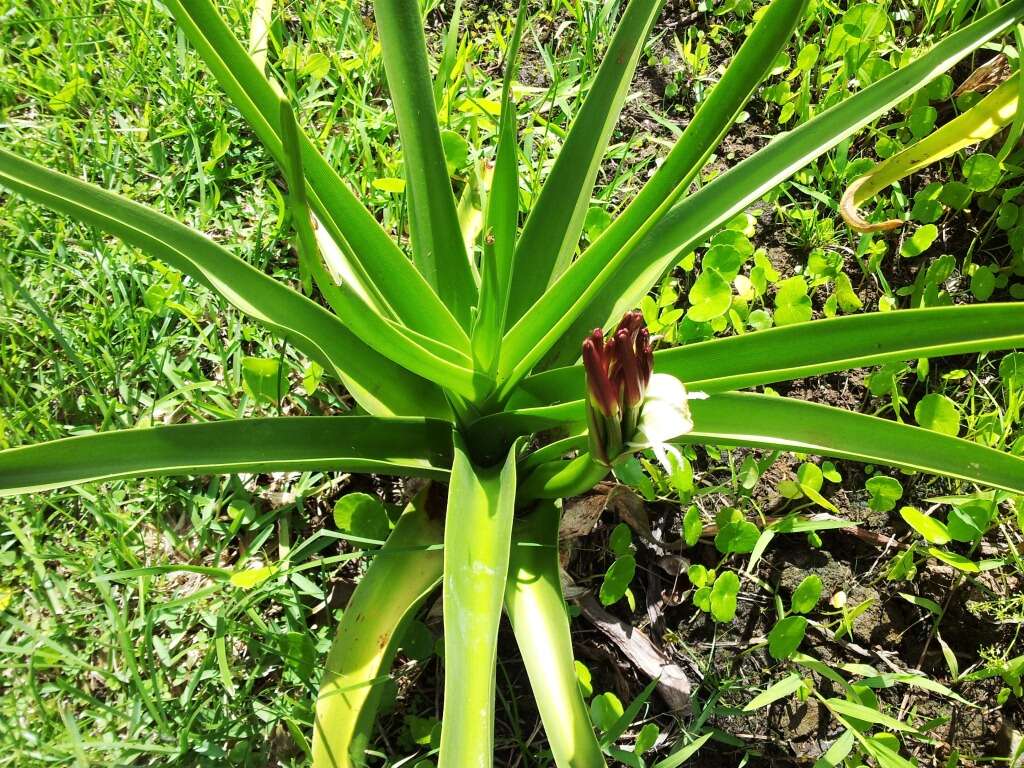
column 252, row 577
column 66, row 95
column 390, row 184
column 480, row 107
column 315, row 66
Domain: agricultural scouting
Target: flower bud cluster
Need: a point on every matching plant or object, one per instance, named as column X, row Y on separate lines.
column 618, row 372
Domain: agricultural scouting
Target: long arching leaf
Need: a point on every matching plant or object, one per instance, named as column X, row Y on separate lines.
column 812, row 348
column 374, row 260
column 419, row 447
column 982, row 121
column 438, row 249
column 449, row 367
column 502, row 220
column 553, row 227
column 377, row 383
column 701, row 136
column 536, row 609
column 782, row 423
column 478, row 530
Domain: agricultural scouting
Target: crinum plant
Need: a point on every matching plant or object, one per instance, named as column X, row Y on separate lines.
column 457, row 356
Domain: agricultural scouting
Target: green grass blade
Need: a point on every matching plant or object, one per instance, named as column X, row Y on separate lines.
column 448, row 56
column 553, row 227
column 419, row 447
column 590, row 293
column 477, row 536
column 810, row 349
column 501, row 222
column 402, row 574
column 438, row 249
column 377, row 383
column 376, row 262
column 534, row 604
column 684, row 753
column 780, row 423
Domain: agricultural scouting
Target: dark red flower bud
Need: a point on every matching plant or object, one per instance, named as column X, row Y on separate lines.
column 628, row 372
column 602, row 394
column 618, row 371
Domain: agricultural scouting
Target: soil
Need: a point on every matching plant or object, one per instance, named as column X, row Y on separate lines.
column 891, row 636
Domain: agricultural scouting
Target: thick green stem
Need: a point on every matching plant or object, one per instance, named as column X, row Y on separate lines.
column 561, row 479
column 401, row 575
column 534, row 603
column 478, row 531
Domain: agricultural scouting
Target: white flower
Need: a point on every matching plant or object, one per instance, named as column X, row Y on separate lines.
column 665, row 416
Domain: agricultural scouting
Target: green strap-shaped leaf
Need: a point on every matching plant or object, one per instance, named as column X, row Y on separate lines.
column 377, row 383
column 591, row 294
column 782, row 423
column 716, row 114
column 402, row 574
column 376, row 262
column 714, row 117
column 553, row 227
column 685, row 752
column 478, row 530
column 418, row 447
column 533, row 601
column 438, row 249
column 298, row 202
column 420, row 354
column 444, row 365
column 502, row 221
column 813, row 348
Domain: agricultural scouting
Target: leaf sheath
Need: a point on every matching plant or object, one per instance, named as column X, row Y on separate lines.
column 477, row 536
column 533, row 601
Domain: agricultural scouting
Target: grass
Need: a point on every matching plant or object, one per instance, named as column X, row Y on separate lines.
column 122, row 640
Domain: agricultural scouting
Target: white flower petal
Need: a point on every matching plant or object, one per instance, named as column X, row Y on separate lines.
column 666, row 413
